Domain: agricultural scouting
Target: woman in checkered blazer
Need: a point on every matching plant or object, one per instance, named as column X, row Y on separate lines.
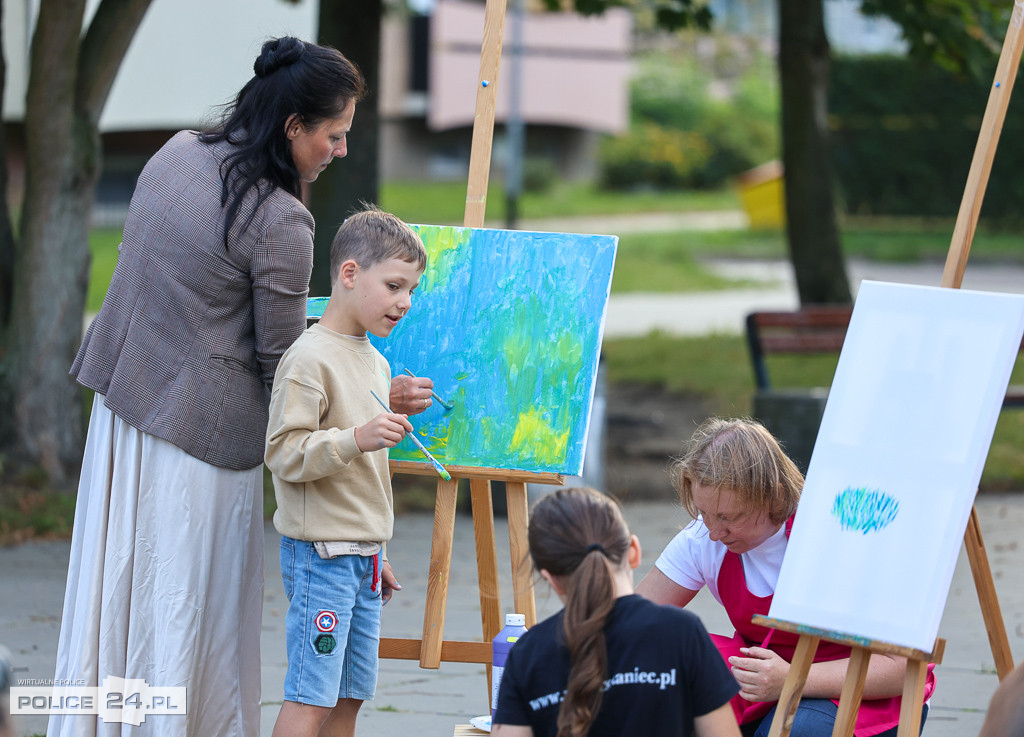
column 166, row 576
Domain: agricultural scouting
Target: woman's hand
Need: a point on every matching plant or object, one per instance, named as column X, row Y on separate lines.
column 385, row 430
column 410, row 395
column 761, row 674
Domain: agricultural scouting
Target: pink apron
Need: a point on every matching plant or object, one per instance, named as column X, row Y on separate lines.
column 873, row 717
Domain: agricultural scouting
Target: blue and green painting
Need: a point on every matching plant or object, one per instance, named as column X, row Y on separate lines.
column 508, row 325
column 864, row 510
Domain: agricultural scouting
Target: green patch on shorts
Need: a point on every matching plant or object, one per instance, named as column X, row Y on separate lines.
column 325, row 644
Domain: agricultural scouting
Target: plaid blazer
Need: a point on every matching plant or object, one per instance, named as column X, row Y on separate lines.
column 190, row 333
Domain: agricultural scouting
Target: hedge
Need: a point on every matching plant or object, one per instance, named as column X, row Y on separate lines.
column 903, row 136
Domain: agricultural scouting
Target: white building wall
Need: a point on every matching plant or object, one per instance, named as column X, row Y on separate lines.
column 187, row 57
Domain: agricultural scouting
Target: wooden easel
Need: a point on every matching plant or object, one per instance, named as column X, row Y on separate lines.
column 432, row 649
column 856, row 675
column 952, row 277
column 862, row 648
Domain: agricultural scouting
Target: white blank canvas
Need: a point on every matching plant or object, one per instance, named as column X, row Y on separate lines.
column 896, row 465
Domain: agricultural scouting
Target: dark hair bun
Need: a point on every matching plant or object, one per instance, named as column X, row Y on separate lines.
column 277, row 53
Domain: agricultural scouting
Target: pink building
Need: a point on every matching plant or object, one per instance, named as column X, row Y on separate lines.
column 574, row 86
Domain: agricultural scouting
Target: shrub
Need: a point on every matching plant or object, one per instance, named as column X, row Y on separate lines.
column 903, row 136
column 539, row 174
column 653, row 156
column 684, row 136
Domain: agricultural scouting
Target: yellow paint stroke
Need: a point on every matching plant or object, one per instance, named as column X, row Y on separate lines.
column 442, row 247
column 535, row 438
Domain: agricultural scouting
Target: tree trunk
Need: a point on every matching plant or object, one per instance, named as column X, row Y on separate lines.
column 814, row 247
column 353, row 29
column 69, row 82
column 6, row 232
column 50, row 277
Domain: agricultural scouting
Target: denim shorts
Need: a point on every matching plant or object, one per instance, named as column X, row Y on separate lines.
column 332, row 626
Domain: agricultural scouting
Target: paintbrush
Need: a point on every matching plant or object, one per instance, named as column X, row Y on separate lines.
column 440, row 469
column 433, row 394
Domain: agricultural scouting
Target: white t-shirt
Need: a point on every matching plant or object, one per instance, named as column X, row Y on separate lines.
column 692, row 560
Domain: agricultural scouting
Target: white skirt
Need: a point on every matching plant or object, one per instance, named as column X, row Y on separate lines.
column 165, row 584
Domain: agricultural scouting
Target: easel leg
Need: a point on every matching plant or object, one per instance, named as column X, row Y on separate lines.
column 794, row 688
column 853, row 690
column 486, row 557
column 437, row 577
column 518, row 521
column 913, row 696
column 986, row 588
column 486, row 561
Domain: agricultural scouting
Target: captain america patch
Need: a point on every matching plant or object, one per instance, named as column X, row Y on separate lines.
column 325, row 621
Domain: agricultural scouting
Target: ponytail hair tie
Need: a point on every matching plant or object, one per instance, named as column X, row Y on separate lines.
column 595, row 546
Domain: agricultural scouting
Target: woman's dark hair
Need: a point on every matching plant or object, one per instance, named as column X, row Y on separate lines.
column 314, row 83
column 579, row 536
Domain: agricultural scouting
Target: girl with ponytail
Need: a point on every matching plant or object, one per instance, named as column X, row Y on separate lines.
column 611, row 662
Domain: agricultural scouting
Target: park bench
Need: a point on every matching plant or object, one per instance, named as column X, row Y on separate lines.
column 793, row 415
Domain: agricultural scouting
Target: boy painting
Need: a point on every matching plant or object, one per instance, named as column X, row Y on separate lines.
column 327, row 447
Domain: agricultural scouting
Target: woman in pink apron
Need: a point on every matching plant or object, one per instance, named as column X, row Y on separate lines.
column 742, row 491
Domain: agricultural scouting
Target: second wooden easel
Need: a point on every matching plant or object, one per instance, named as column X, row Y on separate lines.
column 861, row 648
column 952, row 277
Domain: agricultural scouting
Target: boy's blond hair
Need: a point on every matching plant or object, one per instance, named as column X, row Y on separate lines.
column 742, row 456
column 371, row 236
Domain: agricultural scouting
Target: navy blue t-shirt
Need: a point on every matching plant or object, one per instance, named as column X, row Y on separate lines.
column 663, row 671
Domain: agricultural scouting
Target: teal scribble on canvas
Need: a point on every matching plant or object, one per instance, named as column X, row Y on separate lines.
column 508, row 325
column 864, row 510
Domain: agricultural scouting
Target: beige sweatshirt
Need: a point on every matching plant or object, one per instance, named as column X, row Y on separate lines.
column 326, row 488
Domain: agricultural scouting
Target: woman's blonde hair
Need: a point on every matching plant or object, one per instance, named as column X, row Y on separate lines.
column 742, row 456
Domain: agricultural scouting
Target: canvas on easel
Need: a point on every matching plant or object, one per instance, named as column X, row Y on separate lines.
column 896, row 465
column 883, row 510
column 508, row 324
column 890, row 487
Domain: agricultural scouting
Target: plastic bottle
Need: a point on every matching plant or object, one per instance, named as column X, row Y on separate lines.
column 515, row 627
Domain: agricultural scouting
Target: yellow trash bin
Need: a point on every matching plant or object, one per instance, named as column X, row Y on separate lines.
column 762, row 195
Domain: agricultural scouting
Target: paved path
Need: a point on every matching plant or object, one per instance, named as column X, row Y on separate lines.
column 413, row 701
column 774, row 289
column 651, row 222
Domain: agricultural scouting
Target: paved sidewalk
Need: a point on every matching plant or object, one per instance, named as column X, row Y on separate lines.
column 723, row 311
column 413, row 701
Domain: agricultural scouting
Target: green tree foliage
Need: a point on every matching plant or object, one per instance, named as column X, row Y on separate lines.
column 682, row 135
column 959, row 34
column 904, row 134
column 962, row 36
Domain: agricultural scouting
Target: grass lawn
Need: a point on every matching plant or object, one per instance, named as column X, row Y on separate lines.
column 444, row 203
column 713, row 366
column 660, row 262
